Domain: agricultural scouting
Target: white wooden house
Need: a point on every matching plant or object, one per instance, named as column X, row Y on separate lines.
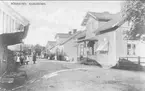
column 109, row 40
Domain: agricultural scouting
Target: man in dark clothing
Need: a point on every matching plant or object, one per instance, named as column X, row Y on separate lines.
column 21, row 59
column 34, row 58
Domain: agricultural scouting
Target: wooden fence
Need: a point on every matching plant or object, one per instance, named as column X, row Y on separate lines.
column 138, row 60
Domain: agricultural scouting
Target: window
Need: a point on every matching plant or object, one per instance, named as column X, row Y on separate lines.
column 81, row 49
column 131, row 49
column 1, row 22
column 7, row 23
column 129, row 46
column 103, row 47
column 10, row 24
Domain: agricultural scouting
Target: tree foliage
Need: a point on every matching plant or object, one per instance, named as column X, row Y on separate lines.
column 134, row 10
column 38, row 49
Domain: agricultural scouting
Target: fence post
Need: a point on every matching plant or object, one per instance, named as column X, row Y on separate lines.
column 138, row 60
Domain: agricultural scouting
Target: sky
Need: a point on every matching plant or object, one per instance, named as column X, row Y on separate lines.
column 58, row 17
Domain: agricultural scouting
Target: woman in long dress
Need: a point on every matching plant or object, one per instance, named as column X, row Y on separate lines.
column 27, row 59
column 17, row 58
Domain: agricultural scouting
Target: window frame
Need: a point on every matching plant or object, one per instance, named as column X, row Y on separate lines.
column 131, row 50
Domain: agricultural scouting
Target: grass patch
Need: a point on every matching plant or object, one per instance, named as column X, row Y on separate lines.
column 127, row 65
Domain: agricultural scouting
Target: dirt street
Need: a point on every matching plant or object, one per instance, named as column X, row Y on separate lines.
column 49, row 75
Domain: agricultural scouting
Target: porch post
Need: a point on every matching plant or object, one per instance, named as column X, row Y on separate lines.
column 86, row 49
column 77, row 52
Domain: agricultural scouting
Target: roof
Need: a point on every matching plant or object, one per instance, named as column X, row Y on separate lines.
column 115, row 22
column 62, row 35
column 101, row 16
column 6, row 8
column 73, row 36
column 105, row 16
column 81, row 35
column 51, row 43
column 88, row 39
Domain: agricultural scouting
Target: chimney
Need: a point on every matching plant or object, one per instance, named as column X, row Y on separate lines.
column 69, row 32
column 74, row 31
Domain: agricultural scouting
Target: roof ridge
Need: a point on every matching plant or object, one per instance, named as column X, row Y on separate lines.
column 71, row 37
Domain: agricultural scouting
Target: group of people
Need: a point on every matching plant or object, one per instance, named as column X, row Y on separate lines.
column 22, row 59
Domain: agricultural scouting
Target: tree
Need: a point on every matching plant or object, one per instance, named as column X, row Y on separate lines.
column 134, row 11
column 38, row 49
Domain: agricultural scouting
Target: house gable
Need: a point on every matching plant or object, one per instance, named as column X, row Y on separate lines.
column 61, row 37
column 105, row 16
column 94, row 20
column 91, row 25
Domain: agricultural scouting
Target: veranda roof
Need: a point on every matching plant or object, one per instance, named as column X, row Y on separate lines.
column 88, row 39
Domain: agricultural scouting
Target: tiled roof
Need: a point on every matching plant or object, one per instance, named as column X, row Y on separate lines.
column 105, row 16
column 63, row 35
column 117, row 20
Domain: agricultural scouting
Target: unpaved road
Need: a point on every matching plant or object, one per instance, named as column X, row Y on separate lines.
column 62, row 76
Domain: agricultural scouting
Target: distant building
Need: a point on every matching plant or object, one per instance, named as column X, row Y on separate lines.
column 49, row 45
column 61, row 37
column 69, row 47
column 13, row 28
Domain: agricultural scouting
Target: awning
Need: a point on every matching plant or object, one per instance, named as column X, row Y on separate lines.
column 88, row 39
column 103, row 47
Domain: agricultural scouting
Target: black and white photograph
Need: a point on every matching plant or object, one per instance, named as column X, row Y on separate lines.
column 72, row 45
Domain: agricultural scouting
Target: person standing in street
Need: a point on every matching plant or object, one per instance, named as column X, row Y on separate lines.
column 27, row 59
column 34, row 58
column 17, row 59
column 21, row 59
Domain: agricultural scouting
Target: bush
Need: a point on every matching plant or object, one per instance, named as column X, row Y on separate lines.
column 52, row 56
column 61, row 57
column 127, row 65
column 88, row 61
